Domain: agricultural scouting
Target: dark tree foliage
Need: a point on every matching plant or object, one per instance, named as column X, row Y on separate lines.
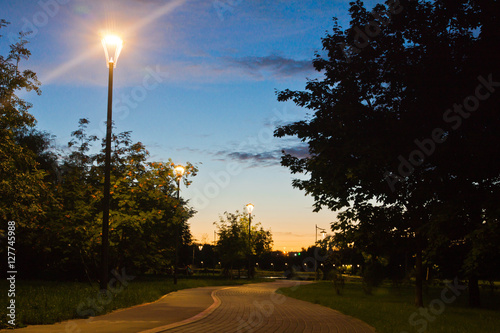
column 405, row 119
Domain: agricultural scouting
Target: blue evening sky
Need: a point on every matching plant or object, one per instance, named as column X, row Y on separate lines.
column 195, row 82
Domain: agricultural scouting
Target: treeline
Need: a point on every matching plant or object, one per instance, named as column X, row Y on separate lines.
column 55, row 198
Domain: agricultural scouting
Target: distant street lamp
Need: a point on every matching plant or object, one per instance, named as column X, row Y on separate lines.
column 112, row 48
column 323, row 232
column 250, row 208
column 179, row 172
column 200, row 247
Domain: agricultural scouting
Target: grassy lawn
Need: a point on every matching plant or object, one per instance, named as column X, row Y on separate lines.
column 390, row 309
column 47, row 302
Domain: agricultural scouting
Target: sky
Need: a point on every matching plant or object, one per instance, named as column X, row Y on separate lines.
column 196, row 81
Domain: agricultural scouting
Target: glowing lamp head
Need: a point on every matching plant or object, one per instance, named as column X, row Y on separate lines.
column 112, row 47
column 179, row 170
column 250, row 208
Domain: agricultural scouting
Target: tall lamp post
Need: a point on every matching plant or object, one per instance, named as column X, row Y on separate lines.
column 323, row 233
column 179, row 171
column 250, row 208
column 112, row 48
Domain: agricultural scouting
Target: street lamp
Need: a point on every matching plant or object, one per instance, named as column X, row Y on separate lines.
column 179, row 172
column 200, row 247
column 323, row 232
column 112, row 48
column 250, row 208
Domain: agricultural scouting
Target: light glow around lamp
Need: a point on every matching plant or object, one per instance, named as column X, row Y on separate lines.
column 112, row 47
column 179, row 170
column 250, row 208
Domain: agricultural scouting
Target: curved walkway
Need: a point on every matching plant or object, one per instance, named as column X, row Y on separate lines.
column 257, row 308
column 240, row 309
column 171, row 308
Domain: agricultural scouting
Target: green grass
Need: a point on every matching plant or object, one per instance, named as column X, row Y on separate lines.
column 388, row 309
column 48, row 302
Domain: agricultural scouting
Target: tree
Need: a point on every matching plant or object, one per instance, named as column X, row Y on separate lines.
column 24, row 193
column 388, row 123
column 21, row 182
column 144, row 210
column 381, row 236
column 65, row 240
column 234, row 245
column 40, row 143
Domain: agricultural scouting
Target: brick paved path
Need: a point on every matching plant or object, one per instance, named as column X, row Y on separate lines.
column 256, row 308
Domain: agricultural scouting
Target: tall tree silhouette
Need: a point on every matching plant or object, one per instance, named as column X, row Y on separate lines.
column 404, row 116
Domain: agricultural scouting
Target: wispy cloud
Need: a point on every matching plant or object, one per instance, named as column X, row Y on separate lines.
column 299, row 151
column 271, row 65
column 264, row 158
column 151, row 1
column 208, row 68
